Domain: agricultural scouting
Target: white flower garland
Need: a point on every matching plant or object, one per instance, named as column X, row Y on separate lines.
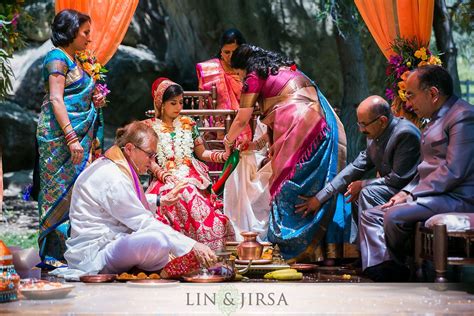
column 178, row 148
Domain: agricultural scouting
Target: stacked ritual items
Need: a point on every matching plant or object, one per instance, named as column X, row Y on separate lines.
column 257, row 258
column 9, row 279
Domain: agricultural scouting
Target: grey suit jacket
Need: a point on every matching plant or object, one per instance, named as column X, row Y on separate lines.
column 445, row 178
column 394, row 155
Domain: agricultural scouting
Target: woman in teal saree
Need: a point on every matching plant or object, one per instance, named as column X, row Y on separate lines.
column 70, row 130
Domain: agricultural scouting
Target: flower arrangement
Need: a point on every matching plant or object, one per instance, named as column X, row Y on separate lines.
column 90, row 65
column 409, row 54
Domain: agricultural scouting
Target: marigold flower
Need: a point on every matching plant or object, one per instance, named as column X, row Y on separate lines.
column 422, row 63
column 404, row 76
column 170, row 165
column 402, row 85
column 187, row 161
column 87, row 68
column 401, row 94
column 421, row 54
column 186, row 127
column 433, row 60
column 185, row 120
column 97, row 67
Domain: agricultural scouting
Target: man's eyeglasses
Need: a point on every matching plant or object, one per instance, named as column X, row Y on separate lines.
column 365, row 125
column 151, row 155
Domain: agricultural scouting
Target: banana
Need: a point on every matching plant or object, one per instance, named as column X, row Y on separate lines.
column 289, row 276
column 271, row 275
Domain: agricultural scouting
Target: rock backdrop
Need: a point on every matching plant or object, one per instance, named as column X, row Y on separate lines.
column 167, row 38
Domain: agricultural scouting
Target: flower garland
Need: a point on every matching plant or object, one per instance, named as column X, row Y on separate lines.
column 174, row 153
column 409, row 54
column 90, row 65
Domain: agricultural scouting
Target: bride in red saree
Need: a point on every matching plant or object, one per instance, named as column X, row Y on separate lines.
column 180, row 152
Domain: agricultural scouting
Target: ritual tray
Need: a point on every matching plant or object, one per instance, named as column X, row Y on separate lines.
column 98, row 278
column 47, row 294
column 152, row 283
column 205, row 279
column 304, row 267
column 254, row 262
column 262, row 268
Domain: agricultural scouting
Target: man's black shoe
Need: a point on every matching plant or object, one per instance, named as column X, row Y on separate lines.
column 388, row 271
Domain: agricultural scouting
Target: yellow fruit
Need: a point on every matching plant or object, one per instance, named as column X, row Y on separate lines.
column 271, row 275
column 289, row 276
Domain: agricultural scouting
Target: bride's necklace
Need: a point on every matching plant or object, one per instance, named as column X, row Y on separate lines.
column 174, row 153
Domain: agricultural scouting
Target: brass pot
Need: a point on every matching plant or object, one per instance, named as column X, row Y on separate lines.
column 250, row 248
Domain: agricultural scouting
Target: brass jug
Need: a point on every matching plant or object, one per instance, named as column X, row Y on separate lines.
column 250, row 248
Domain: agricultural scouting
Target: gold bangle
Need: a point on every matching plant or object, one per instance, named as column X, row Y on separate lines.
column 64, row 127
column 227, row 141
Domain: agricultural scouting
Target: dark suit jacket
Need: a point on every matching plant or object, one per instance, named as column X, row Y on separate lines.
column 445, row 178
column 394, row 155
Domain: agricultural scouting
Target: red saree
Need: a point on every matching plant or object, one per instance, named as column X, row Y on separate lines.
column 195, row 215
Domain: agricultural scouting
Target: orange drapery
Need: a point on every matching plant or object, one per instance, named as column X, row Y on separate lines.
column 110, row 21
column 391, row 19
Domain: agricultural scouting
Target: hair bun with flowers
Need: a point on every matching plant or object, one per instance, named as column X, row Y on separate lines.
column 158, row 88
column 409, row 54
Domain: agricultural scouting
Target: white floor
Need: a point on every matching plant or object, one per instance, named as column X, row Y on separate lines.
column 255, row 298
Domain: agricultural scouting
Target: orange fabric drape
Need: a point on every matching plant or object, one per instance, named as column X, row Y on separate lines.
column 110, row 21
column 390, row 19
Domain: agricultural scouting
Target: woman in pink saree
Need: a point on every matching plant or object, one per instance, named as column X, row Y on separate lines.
column 308, row 148
column 228, row 84
column 180, row 151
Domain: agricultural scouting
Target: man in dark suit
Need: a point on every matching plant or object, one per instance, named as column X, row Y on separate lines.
column 445, row 178
column 393, row 150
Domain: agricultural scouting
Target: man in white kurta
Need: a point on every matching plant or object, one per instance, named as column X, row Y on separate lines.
column 112, row 227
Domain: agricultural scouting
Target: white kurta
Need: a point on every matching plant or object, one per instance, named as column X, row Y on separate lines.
column 104, row 209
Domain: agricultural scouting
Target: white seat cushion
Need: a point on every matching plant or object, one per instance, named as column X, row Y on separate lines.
column 453, row 221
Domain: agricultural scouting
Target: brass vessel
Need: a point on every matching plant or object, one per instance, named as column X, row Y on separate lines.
column 250, row 248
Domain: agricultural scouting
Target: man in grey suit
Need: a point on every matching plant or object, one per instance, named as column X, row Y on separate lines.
column 445, row 178
column 393, row 149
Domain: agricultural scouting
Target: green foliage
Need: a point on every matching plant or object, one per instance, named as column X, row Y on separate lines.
column 461, row 13
column 26, row 240
column 10, row 40
column 333, row 10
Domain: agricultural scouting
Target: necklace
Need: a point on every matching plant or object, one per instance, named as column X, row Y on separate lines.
column 174, row 153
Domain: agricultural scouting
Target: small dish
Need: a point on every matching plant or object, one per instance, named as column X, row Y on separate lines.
column 152, row 283
column 329, row 268
column 257, row 261
column 304, row 267
column 98, row 278
column 205, row 279
column 48, row 294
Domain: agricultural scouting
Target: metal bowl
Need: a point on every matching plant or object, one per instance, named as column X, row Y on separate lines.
column 205, row 279
column 98, row 278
